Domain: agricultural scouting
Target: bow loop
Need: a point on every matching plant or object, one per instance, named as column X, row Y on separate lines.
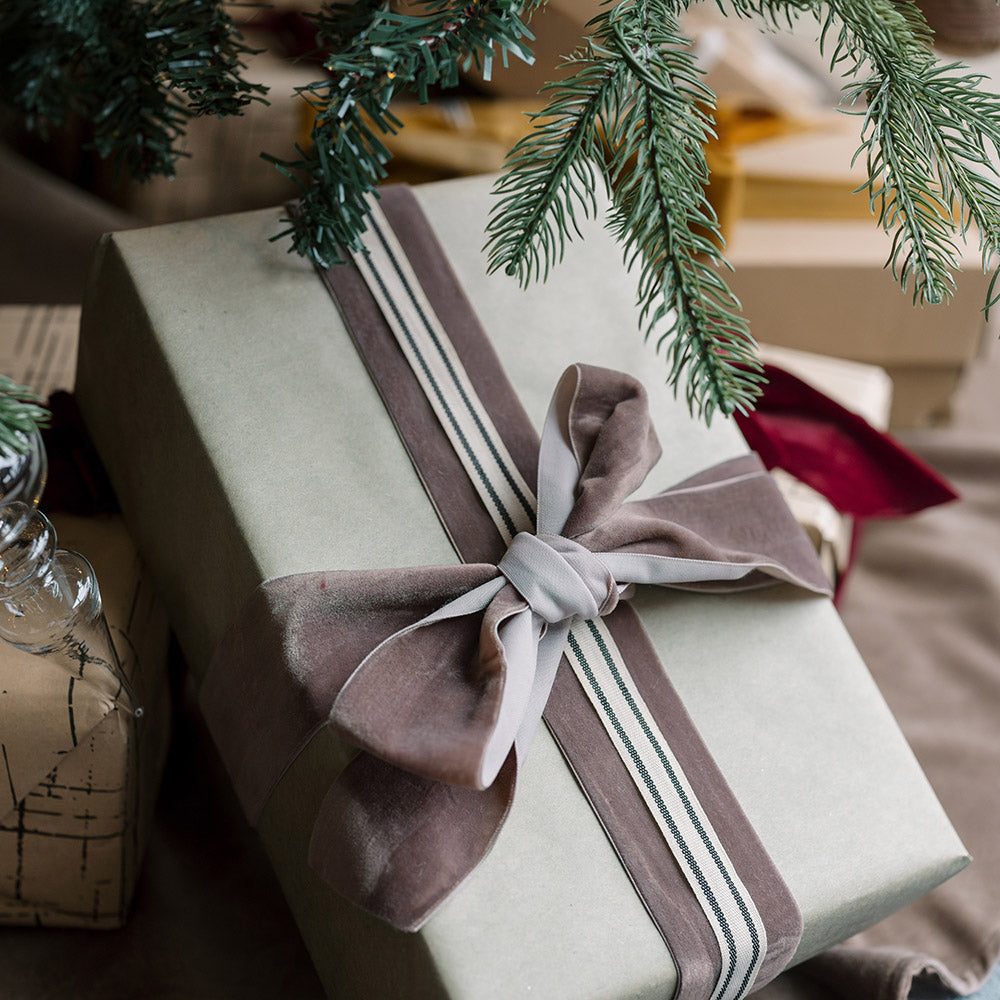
column 599, row 420
column 430, row 697
column 560, row 579
column 451, row 696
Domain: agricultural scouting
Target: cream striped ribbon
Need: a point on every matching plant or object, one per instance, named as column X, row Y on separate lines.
column 591, row 650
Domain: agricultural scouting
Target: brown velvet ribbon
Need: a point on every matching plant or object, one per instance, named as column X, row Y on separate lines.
column 414, row 813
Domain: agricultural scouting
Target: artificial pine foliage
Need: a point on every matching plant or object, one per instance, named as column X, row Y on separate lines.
column 134, row 72
column 376, row 52
column 635, row 105
column 20, row 415
column 632, row 116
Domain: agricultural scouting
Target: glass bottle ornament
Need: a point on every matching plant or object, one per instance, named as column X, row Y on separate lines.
column 50, row 604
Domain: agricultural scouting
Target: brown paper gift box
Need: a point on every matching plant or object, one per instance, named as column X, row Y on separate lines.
column 274, row 456
column 821, row 286
column 82, row 780
column 808, row 255
column 810, row 269
column 81, row 789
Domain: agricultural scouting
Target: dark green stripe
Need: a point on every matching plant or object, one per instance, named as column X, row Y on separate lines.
column 480, row 472
column 654, row 791
column 525, row 502
column 706, row 840
column 667, row 766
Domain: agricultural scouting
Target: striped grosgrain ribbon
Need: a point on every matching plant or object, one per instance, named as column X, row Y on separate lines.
column 591, row 650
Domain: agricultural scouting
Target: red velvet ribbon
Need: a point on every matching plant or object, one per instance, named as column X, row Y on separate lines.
column 860, row 470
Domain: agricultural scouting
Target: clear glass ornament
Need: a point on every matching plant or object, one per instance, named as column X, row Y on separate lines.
column 50, row 604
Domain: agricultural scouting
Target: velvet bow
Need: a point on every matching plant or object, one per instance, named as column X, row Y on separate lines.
column 446, row 706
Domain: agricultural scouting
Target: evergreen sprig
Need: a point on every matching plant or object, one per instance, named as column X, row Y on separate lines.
column 376, row 53
column 926, row 134
column 636, row 110
column 632, row 115
column 20, row 415
column 135, row 73
column 552, row 171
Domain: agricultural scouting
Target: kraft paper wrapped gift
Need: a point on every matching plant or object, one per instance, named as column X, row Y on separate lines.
column 821, row 285
column 82, row 777
column 273, row 455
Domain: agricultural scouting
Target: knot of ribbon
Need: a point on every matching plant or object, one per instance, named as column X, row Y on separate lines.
column 560, row 579
column 453, row 666
column 591, row 544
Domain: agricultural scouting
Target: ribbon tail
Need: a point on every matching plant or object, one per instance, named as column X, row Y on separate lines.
column 550, row 650
column 717, row 576
column 398, row 844
column 297, row 640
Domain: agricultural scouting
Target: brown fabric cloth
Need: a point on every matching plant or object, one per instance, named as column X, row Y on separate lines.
column 924, row 606
column 48, row 229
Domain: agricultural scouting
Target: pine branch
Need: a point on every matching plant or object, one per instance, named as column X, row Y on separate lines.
column 662, row 218
column 634, row 112
column 136, row 73
column 377, row 54
column 20, row 416
column 927, row 131
column 551, row 172
column 637, row 104
column 926, row 135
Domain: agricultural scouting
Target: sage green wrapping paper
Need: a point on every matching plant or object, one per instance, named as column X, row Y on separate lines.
column 246, row 441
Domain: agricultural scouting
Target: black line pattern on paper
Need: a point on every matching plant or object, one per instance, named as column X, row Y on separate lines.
column 10, row 777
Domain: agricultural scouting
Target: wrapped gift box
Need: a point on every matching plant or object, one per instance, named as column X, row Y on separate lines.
column 744, row 65
column 821, row 285
column 274, row 455
column 82, row 782
column 83, row 777
column 805, row 170
column 456, row 137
